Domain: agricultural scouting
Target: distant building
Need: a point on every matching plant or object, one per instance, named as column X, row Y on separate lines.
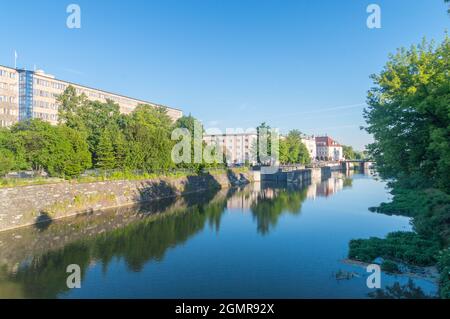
column 237, row 147
column 328, row 149
column 28, row 94
column 310, row 143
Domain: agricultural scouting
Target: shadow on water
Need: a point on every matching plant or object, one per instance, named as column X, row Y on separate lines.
column 162, row 225
column 140, row 235
column 397, row 291
column 43, row 221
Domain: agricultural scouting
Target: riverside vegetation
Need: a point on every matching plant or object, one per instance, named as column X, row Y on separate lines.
column 91, row 134
column 409, row 117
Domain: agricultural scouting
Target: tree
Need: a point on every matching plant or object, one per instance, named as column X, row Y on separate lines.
column 191, row 123
column 105, row 152
column 6, row 161
column 348, row 151
column 147, row 131
column 58, row 150
column 409, row 117
column 293, row 150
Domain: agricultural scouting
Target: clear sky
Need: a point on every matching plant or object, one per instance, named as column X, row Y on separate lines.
column 231, row 63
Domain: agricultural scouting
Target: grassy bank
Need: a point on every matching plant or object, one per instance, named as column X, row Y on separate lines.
column 427, row 245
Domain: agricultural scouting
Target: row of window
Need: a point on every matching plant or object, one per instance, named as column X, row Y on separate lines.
column 7, row 74
column 44, row 94
column 91, row 94
column 45, row 105
column 8, row 111
column 5, row 123
column 7, row 86
column 55, row 85
column 45, row 116
column 10, row 99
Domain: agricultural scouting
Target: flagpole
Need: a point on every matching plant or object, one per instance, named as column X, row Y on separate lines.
column 15, row 59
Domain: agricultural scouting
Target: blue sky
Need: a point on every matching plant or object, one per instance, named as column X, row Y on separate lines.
column 231, row 63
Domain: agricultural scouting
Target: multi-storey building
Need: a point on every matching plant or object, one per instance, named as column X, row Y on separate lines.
column 237, row 147
column 35, row 96
column 328, row 149
column 310, row 143
column 9, row 96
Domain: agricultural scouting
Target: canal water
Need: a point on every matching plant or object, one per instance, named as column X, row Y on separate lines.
column 259, row 241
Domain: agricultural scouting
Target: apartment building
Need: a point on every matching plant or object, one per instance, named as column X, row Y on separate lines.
column 37, row 92
column 328, row 149
column 237, row 147
column 9, row 96
column 310, row 143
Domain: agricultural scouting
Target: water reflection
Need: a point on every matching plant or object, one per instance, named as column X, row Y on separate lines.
column 33, row 261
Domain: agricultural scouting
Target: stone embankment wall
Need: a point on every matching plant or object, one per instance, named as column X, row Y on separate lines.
column 28, row 205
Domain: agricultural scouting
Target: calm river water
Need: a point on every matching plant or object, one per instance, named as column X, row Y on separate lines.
column 261, row 241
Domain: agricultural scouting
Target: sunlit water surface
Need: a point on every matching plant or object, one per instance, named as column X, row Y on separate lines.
column 261, row 241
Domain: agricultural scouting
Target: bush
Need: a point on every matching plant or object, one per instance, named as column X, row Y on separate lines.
column 406, row 246
column 444, row 269
column 390, row 266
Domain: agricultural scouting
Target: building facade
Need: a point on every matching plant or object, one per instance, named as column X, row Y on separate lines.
column 33, row 94
column 310, row 143
column 328, row 149
column 237, row 148
column 9, row 96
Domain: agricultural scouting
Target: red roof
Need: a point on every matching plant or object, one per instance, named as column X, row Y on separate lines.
column 326, row 141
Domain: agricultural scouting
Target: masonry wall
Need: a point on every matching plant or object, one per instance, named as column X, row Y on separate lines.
column 27, row 205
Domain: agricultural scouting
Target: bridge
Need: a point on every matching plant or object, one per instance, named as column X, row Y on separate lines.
column 364, row 165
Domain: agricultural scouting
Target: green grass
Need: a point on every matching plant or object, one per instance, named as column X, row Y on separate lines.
column 114, row 176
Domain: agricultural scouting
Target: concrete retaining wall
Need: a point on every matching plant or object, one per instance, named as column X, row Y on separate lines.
column 28, row 205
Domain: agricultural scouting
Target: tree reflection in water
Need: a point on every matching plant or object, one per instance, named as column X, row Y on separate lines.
column 397, row 291
column 273, row 201
column 159, row 226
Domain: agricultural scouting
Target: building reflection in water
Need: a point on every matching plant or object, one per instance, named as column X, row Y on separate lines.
column 250, row 196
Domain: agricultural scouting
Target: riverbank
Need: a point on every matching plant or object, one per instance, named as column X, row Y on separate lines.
column 34, row 204
column 427, row 246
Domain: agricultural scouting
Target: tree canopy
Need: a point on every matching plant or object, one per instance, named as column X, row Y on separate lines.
column 409, row 116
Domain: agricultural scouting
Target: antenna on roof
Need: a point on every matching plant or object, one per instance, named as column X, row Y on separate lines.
column 15, row 59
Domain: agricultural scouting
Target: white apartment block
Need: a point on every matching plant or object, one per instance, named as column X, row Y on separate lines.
column 33, row 94
column 310, row 143
column 238, row 148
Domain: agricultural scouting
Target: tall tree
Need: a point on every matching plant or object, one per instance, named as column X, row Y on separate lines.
column 409, row 116
column 105, row 152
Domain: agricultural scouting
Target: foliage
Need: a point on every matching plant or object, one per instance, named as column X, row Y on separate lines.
column 105, row 152
column 6, row 161
column 409, row 116
column 293, row 150
column 350, row 153
column 444, row 269
column 389, row 266
column 59, row 150
column 405, row 246
column 397, row 291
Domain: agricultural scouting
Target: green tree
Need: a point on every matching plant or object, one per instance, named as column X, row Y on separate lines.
column 189, row 122
column 105, row 152
column 6, row 161
column 58, row 150
column 348, row 151
column 147, row 131
column 409, row 116
column 293, row 150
